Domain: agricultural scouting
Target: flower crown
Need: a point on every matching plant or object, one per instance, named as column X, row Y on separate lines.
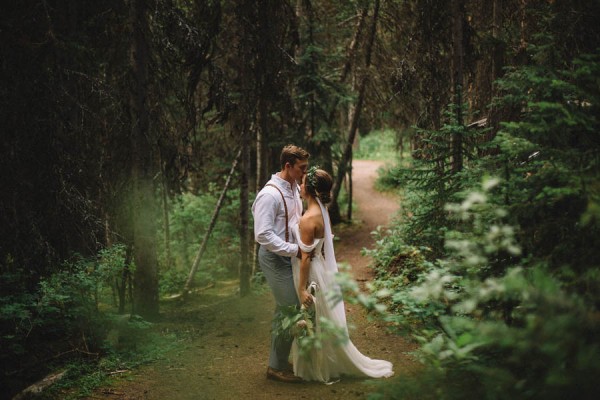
column 311, row 176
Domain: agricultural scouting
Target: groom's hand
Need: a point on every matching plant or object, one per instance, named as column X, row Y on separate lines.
column 310, row 256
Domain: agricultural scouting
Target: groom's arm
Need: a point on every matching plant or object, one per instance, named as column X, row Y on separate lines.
column 264, row 211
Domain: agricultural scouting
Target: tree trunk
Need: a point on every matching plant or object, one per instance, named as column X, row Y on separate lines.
column 261, row 140
column 350, row 55
column 457, row 75
column 123, row 281
column 350, row 190
column 166, row 224
column 190, row 280
column 251, row 35
column 245, row 268
column 344, row 162
column 334, row 209
column 497, row 68
column 259, row 179
column 498, row 56
column 144, row 207
column 261, row 156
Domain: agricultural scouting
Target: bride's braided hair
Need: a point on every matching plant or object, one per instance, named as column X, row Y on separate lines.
column 319, row 184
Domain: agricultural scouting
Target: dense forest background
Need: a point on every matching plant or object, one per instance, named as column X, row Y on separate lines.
column 125, row 122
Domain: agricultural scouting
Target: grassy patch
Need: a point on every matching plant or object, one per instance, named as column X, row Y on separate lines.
column 377, row 145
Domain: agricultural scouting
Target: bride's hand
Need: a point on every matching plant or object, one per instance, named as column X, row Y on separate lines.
column 305, row 298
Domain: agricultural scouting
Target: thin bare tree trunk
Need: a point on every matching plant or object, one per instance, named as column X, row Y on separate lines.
column 261, row 138
column 108, row 242
column 350, row 190
column 350, row 54
column 345, row 161
column 261, row 172
column 245, row 268
column 124, row 280
column 166, row 224
column 189, row 282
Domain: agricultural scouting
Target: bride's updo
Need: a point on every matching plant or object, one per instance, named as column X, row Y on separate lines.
column 318, row 184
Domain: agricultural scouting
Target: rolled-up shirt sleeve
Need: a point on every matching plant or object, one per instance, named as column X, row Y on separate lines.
column 264, row 210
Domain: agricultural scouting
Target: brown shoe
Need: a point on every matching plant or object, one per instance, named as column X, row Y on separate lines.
column 282, row 376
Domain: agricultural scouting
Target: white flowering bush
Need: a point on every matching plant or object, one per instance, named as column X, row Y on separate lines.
column 506, row 327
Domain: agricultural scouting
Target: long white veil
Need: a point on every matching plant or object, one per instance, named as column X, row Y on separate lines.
column 331, row 268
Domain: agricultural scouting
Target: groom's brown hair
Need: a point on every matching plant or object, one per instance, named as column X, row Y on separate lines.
column 292, row 153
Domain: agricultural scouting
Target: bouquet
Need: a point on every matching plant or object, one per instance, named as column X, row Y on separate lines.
column 298, row 323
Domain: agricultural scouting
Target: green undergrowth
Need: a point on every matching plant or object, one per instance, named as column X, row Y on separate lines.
column 140, row 343
column 133, row 342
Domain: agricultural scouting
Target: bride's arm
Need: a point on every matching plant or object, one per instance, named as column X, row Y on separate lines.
column 307, row 235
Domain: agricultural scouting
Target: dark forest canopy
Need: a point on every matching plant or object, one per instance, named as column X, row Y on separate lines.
column 121, row 119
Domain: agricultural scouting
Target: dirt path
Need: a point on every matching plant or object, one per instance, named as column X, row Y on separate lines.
column 374, row 209
column 225, row 339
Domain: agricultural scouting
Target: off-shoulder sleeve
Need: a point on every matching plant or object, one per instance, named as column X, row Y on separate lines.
column 303, row 246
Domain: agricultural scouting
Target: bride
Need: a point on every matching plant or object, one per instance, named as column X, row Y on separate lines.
column 318, row 265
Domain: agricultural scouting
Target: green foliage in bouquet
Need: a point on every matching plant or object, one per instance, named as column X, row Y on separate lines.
column 296, row 322
column 309, row 333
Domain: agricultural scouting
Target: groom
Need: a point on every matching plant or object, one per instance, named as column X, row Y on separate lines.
column 276, row 210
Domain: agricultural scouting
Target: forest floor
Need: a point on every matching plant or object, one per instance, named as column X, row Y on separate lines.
column 224, row 339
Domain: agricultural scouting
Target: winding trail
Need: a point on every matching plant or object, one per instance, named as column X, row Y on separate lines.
column 225, row 339
column 374, row 209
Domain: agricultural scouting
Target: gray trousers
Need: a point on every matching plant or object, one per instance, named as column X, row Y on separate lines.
column 278, row 273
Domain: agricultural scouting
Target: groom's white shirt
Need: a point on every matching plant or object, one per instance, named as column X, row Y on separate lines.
column 269, row 216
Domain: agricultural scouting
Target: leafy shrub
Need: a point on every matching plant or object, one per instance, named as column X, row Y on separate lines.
column 550, row 159
column 172, row 280
column 58, row 321
column 431, row 181
column 391, row 177
column 189, row 219
column 397, row 266
column 503, row 333
column 512, row 291
column 392, row 257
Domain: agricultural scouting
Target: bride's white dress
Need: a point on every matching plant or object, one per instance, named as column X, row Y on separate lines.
column 333, row 359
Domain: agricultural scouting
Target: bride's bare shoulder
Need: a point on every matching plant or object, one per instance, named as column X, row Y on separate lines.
column 310, row 218
column 311, row 215
column 311, row 221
